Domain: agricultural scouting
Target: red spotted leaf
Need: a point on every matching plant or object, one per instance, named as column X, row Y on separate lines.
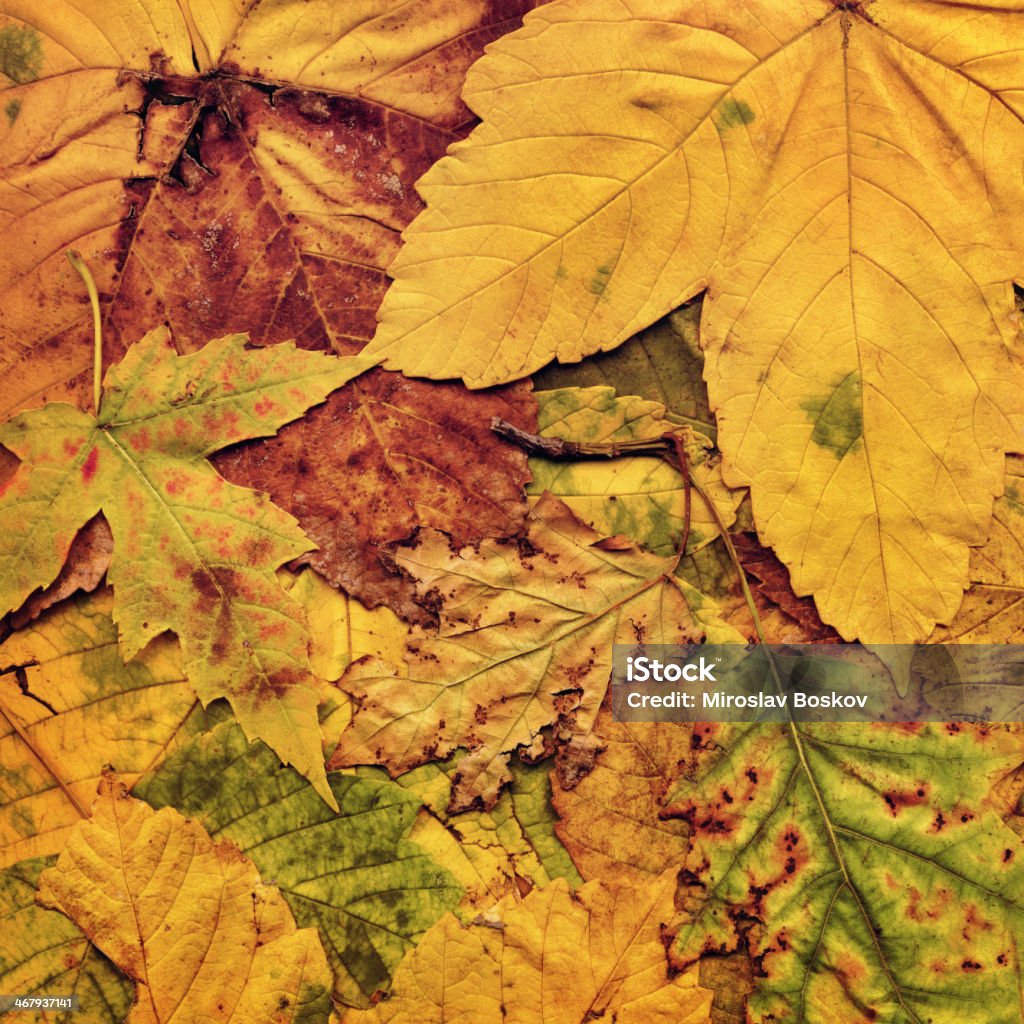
column 193, row 554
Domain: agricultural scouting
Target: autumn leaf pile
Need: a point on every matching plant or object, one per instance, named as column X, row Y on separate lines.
column 304, row 668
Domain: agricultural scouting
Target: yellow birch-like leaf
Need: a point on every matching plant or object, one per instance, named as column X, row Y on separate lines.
column 844, row 181
column 526, row 635
column 554, row 958
column 190, row 921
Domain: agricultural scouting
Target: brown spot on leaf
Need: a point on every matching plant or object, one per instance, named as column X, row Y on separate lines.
column 897, row 800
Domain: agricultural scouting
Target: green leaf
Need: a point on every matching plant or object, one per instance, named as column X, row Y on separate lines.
column 192, row 553
column 531, row 803
column 43, row 953
column 882, row 883
column 354, row 876
column 488, row 848
column 662, row 364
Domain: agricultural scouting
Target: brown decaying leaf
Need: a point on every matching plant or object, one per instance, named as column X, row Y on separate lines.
column 382, row 458
column 275, row 209
column 772, row 579
column 84, row 568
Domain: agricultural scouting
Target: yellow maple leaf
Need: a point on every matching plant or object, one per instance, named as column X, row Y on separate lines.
column 526, row 636
column 844, row 181
column 555, row 958
column 189, row 920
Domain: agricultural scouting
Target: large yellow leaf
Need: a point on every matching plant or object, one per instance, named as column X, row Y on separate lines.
column 555, row 958
column 69, row 704
column 526, row 636
column 189, row 920
column 842, row 178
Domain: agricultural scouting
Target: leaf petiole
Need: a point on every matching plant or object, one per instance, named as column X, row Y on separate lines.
column 75, row 259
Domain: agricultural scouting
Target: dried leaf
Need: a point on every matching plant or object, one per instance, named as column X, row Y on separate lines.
column 843, row 180
column 42, row 953
column 278, row 175
column 189, row 920
column 278, row 171
column 69, row 705
column 864, row 866
column 383, row 458
column 341, row 629
column 492, row 852
column 993, row 607
column 554, row 958
column 641, row 497
column 355, row 876
column 773, row 585
column 193, row 554
column 525, row 642
column 610, row 821
column 86, row 564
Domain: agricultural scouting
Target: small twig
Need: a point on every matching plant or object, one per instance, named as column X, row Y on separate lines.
column 75, row 259
column 556, row 448
column 683, row 465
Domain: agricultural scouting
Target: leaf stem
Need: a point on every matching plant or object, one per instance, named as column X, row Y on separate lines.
column 76, row 261
column 683, row 465
column 556, row 448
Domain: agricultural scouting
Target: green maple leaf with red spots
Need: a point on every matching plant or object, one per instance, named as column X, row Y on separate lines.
column 193, row 554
